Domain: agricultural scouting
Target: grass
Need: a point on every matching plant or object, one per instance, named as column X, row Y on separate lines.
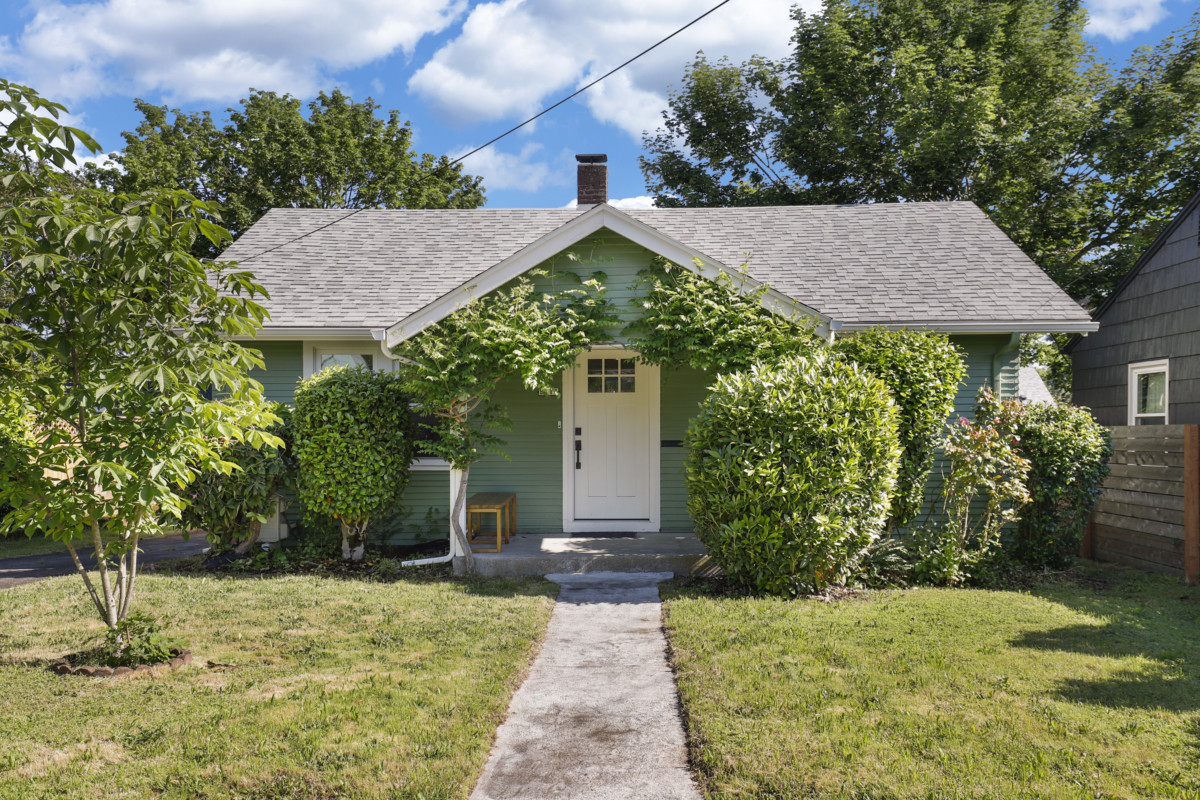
column 303, row 687
column 1086, row 686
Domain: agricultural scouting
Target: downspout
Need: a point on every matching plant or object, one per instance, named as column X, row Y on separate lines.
column 1014, row 342
column 381, row 335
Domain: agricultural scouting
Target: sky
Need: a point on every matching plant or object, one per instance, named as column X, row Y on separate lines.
column 461, row 71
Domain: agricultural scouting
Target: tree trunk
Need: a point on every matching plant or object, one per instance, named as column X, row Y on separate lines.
column 460, row 500
column 354, row 540
column 251, row 539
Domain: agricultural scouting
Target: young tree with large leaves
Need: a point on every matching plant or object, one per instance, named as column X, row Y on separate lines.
column 452, row 368
column 112, row 332
column 269, row 155
column 1000, row 102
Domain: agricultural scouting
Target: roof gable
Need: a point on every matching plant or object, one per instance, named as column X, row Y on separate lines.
column 1192, row 205
column 942, row 266
column 599, row 217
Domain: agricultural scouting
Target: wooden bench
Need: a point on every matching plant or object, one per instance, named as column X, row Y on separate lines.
column 503, row 505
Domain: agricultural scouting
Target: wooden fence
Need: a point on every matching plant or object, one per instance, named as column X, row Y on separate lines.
column 1149, row 514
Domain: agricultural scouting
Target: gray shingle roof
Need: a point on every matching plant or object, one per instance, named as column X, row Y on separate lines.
column 886, row 263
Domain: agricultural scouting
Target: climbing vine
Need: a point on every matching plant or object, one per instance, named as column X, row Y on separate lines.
column 687, row 319
column 453, row 367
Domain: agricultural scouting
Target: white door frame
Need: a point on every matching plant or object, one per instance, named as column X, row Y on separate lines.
column 650, row 378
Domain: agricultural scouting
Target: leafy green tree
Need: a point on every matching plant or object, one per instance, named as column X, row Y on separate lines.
column 353, row 435
column 112, row 329
column 453, row 367
column 269, row 155
column 1000, row 102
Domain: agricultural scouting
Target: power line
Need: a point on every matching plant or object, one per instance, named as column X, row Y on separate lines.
column 492, row 141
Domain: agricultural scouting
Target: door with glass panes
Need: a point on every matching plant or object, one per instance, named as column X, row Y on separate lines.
column 611, row 436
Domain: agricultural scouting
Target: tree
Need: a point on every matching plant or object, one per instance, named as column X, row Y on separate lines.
column 353, row 444
column 453, row 367
column 997, row 102
column 112, row 330
column 268, row 155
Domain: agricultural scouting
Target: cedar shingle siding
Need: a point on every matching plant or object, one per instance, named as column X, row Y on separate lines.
column 1153, row 314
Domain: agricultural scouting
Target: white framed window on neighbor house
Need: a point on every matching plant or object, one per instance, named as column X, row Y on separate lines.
column 1148, row 392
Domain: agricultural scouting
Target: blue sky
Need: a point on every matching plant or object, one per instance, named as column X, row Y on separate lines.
column 461, row 71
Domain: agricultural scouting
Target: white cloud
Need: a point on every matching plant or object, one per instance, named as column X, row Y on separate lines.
column 628, row 203
column 1120, row 19
column 527, row 170
column 513, row 56
column 212, row 49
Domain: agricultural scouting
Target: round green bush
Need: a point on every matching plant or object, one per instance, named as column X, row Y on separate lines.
column 790, row 467
column 1068, row 453
column 353, row 434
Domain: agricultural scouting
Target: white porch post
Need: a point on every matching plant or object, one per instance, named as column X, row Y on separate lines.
column 456, row 477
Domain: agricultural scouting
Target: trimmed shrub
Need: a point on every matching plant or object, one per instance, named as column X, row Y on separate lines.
column 353, row 434
column 789, row 471
column 922, row 371
column 1069, row 455
column 231, row 507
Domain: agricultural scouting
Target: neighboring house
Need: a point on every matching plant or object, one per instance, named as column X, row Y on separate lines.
column 345, row 285
column 1143, row 366
column 1031, row 388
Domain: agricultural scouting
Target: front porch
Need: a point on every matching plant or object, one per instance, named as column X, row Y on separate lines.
column 530, row 554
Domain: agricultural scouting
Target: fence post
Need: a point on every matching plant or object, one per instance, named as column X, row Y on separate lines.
column 1086, row 549
column 1191, row 503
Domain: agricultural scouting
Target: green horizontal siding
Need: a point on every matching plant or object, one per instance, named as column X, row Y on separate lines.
column 980, row 353
column 682, row 391
column 618, row 258
column 284, row 366
column 533, row 469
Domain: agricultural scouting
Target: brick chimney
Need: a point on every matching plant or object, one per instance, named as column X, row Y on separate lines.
column 593, row 179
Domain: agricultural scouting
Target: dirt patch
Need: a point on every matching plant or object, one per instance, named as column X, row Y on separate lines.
column 64, row 666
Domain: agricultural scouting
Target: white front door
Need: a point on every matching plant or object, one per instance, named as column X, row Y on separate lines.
column 614, row 480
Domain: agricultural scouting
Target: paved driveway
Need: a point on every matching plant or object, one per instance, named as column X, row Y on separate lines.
column 26, row 569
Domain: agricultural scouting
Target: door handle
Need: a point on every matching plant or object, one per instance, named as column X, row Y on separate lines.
column 578, row 449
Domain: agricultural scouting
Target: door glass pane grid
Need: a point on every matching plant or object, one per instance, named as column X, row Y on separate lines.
column 611, row 375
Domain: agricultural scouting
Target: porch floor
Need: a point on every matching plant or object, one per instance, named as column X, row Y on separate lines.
column 542, row 554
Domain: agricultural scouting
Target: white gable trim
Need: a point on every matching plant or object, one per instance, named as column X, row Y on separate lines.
column 561, row 238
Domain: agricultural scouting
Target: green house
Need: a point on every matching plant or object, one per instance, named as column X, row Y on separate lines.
column 606, row 454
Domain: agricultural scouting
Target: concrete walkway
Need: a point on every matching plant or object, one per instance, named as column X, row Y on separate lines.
column 598, row 716
column 27, row 569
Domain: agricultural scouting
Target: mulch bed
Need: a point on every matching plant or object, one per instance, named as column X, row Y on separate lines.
column 63, row 666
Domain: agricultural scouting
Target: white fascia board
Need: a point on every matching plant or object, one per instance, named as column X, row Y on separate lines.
column 1046, row 326
column 587, row 223
column 285, row 334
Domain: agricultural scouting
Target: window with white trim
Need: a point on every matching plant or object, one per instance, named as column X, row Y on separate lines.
column 1148, row 392
column 331, row 358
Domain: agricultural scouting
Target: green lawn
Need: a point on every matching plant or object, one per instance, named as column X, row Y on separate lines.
column 303, row 687
column 1084, row 687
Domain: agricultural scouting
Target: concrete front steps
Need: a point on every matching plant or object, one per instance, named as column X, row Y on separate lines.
column 542, row 554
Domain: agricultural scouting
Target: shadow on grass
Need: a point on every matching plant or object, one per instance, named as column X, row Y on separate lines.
column 1146, row 616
